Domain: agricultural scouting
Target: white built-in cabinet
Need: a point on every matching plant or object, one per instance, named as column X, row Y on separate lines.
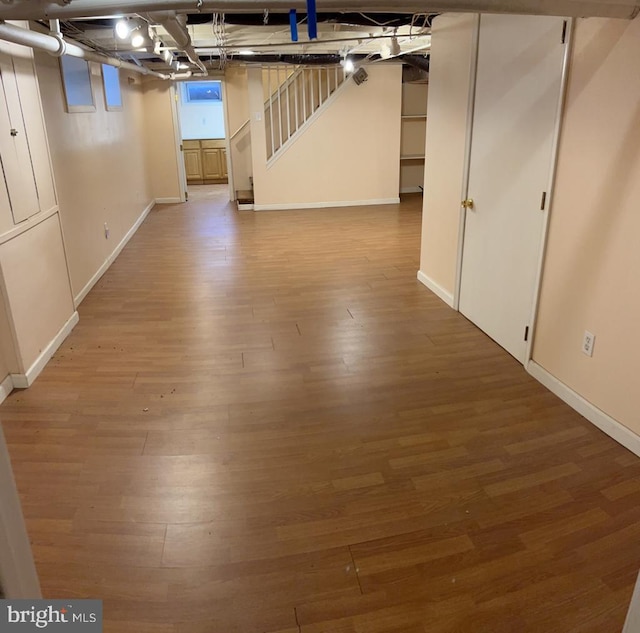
column 25, row 160
column 36, row 303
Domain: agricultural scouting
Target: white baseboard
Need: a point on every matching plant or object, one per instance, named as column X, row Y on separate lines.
column 411, row 190
column 244, row 207
column 6, row 387
column 22, row 381
column 437, row 290
column 77, row 300
column 324, row 205
column 167, row 200
column 596, row 416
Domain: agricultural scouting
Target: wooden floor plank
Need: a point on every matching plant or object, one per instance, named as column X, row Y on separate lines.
column 263, row 423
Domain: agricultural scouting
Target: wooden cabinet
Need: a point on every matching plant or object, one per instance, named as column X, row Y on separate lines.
column 205, row 161
column 192, row 160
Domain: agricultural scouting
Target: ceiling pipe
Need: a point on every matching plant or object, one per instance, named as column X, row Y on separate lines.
column 177, row 28
column 68, row 9
column 57, row 46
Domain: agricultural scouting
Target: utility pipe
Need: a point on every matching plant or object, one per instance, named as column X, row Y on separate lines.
column 57, row 46
column 67, row 9
column 178, row 31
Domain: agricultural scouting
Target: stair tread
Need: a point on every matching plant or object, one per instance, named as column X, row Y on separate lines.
column 244, row 197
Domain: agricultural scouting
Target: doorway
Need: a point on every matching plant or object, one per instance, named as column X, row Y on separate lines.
column 511, row 157
column 203, row 140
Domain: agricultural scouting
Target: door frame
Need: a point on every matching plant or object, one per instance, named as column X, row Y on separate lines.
column 550, row 187
column 227, row 142
column 175, row 110
column 177, row 133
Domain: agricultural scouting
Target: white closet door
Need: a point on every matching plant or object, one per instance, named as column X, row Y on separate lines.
column 14, row 147
column 33, row 118
column 518, row 86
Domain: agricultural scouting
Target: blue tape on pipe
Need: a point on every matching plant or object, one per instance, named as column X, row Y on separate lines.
column 312, row 20
column 293, row 22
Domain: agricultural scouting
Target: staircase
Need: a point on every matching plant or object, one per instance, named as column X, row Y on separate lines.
column 295, row 97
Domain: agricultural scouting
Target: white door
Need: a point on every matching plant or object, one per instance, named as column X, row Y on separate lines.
column 518, row 87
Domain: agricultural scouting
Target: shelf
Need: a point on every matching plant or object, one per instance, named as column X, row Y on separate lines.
column 412, row 157
column 416, row 117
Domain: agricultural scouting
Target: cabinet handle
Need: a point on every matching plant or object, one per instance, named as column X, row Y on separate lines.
column 14, row 132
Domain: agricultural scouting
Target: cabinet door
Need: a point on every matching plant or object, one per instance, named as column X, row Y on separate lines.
column 33, row 118
column 211, row 164
column 223, row 163
column 192, row 163
column 14, row 148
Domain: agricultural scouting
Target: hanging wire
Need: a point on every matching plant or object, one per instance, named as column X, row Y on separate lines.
column 220, row 37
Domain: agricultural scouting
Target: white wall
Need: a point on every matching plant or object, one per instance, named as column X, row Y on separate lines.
column 350, row 154
column 204, row 119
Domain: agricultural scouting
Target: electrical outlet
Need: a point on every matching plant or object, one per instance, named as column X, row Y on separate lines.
column 106, row 231
column 588, row 342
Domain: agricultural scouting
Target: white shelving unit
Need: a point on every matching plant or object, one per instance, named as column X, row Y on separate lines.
column 413, row 133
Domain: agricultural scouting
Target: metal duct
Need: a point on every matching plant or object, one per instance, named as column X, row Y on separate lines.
column 177, row 29
column 416, row 60
column 43, row 9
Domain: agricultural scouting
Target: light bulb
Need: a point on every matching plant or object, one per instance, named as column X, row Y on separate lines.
column 137, row 40
column 246, row 52
column 348, row 65
column 122, row 29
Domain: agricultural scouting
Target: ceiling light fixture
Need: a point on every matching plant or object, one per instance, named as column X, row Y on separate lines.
column 122, row 28
column 137, row 40
column 246, row 52
column 348, row 65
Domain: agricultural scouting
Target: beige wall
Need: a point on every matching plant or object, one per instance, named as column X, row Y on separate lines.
column 160, row 140
column 449, row 84
column 34, row 278
column 99, row 167
column 237, row 95
column 592, row 268
column 348, row 154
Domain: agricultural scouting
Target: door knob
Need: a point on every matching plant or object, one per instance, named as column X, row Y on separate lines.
column 468, row 203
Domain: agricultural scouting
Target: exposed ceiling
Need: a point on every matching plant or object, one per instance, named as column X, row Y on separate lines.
column 200, row 35
column 258, row 37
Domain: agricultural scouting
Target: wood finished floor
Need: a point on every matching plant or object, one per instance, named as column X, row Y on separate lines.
column 264, row 423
